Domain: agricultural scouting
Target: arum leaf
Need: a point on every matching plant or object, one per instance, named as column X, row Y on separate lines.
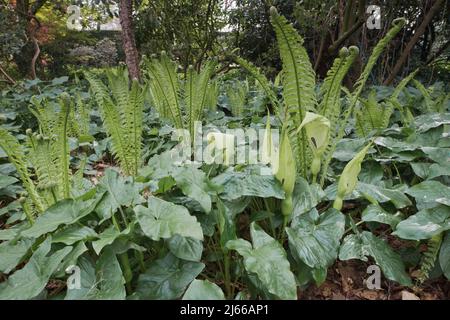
column 185, row 248
column 6, row 181
column 315, row 239
column 162, row 219
column 203, row 290
column 267, row 260
column 108, row 236
column 305, row 196
column 71, row 259
column 29, row 281
column 65, row 212
column 427, row 193
column 346, row 149
column 12, row 254
column 382, row 195
column 374, row 213
column 424, row 224
column 236, row 185
column 101, row 282
column 109, row 277
column 167, row 278
column 74, row 233
column 431, row 120
column 366, row 244
column 192, row 182
column 119, row 191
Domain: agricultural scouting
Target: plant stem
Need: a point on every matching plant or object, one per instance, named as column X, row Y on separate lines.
column 282, row 233
column 125, row 262
column 127, row 273
column 227, row 276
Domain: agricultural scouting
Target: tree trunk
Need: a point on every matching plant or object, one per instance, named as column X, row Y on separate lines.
column 417, row 34
column 128, row 40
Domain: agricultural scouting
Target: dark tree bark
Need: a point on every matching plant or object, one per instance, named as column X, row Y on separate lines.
column 128, row 40
column 417, row 34
column 26, row 59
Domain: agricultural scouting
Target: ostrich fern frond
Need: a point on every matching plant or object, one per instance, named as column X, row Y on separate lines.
column 359, row 86
column 196, row 94
column 262, row 80
column 393, row 102
column 298, row 79
column 429, row 257
column 165, row 85
column 16, row 156
column 212, row 95
column 370, row 115
column 122, row 111
column 181, row 100
column 62, row 151
column 237, row 95
column 49, row 151
column 429, row 104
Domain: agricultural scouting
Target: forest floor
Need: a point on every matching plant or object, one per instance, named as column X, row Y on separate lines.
column 346, row 281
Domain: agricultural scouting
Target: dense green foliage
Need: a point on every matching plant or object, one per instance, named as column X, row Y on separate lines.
column 92, row 187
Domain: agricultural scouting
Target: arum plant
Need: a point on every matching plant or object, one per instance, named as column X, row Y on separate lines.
column 317, row 130
column 269, row 151
column 349, row 177
column 286, row 174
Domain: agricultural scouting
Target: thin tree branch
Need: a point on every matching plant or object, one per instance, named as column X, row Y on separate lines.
column 417, row 34
column 11, row 80
column 345, row 36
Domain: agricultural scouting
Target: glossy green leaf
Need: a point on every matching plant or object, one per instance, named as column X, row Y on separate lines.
column 427, row 171
column 428, row 192
column 29, row 281
column 103, row 281
column 366, row 244
column 192, row 182
column 109, row 278
column 431, row 120
column 305, row 196
column 346, row 149
column 119, row 191
column 382, row 195
column 267, row 259
column 185, row 248
column 237, row 185
column 162, row 219
column 203, row 290
column 12, row 254
column 167, row 278
column 108, row 236
column 424, row 224
column 315, row 239
column 74, row 233
column 6, row 181
column 374, row 213
column 65, row 212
